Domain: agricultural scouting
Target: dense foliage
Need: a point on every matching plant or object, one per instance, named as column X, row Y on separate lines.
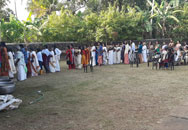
column 104, row 21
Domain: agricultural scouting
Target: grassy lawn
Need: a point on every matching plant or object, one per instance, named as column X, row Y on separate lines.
column 111, row 98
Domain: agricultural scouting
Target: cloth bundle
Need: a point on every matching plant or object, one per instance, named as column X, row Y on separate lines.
column 9, row 102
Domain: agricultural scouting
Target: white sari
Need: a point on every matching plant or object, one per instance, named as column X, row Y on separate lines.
column 57, row 58
column 35, row 68
column 12, row 70
column 52, row 64
column 21, row 67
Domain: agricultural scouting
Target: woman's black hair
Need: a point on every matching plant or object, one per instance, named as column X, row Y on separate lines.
column 38, row 49
column 2, row 44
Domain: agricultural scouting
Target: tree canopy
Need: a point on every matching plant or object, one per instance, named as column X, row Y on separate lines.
column 98, row 20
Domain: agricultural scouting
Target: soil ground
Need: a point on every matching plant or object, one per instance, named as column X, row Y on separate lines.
column 113, row 97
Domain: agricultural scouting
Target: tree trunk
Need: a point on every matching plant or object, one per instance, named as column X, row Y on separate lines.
column 0, row 30
column 151, row 21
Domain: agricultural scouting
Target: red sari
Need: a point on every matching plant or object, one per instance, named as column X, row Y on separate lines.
column 5, row 67
column 69, row 58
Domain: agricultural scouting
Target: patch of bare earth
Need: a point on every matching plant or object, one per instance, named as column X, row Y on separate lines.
column 111, row 98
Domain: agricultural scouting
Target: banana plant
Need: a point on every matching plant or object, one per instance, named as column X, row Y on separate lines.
column 163, row 12
column 33, row 29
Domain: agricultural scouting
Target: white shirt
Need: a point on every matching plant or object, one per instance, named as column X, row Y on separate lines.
column 46, row 51
column 39, row 56
column 20, row 55
column 133, row 47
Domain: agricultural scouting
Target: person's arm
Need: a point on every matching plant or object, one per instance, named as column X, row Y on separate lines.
column 16, row 63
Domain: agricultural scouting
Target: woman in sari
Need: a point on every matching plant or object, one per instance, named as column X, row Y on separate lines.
column 127, row 48
column 4, row 63
column 69, row 57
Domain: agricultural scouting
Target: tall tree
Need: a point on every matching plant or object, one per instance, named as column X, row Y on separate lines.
column 42, row 7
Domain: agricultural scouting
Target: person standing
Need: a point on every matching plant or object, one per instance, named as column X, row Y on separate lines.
column 78, row 58
column 127, row 48
column 26, row 59
column 104, row 54
column 118, row 51
column 133, row 47
column 72, row 50
column 57, row 52
column 122, row 52
column 100, row 54
column 96, row 55
column 12, row 70
column 69, row 57
column 115, row 54
column 140, row 52
column 46, row 58
column 35, row 68
column 4, row 60
column 21, row 66
column 157, row 47
column 110, row 55
column 52, row 63
column 40, row 60
column 85, row 58
column 93, row 55
column 144, row 52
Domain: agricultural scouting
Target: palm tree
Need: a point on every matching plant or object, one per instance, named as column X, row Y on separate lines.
column 163, row 12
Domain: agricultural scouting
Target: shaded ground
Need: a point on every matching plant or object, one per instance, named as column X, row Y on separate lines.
column 112, row 98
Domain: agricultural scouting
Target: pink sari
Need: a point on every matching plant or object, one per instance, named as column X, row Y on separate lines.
column 126, row 59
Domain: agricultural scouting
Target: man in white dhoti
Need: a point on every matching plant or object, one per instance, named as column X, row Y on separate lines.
column 144, row 52
column 52, row 64
column 12, row 70
column 40, row 60
column 110, row 55
column 115, row 55
column 21, row 66
column 57, row 58
column 35, row 67
column 118, row 54
column 93, row 55
column 105, row 51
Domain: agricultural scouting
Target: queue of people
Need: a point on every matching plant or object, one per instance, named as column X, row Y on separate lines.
column 26, row 62
column 100, row 54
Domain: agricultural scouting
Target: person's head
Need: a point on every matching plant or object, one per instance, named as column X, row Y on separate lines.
column 83, row 47
column 51, row 48
column 31, row 49
column 72, row 46
column 18, row 48
column 55, row 46
column 80, row 47
column 21, row 46
column 164, row 43
column 2, row 44
column 38, row 49
column 46, row 46
column 68, row 47
column 9, row 49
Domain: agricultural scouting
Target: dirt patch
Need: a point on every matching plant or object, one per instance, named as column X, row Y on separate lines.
column 111, row 98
